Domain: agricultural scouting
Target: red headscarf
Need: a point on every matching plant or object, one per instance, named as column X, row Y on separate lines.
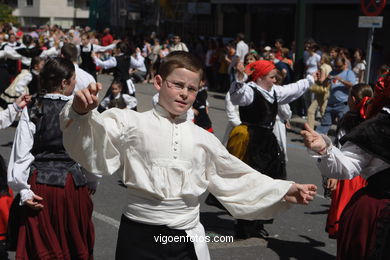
column 259, row 69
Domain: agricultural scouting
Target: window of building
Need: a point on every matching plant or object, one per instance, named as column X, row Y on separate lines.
column 29, row 2
column 70, row 2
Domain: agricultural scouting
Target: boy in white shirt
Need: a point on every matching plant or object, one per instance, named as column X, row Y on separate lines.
column 166, row 163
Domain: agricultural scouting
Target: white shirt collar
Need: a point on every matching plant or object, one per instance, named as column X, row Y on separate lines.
column 57, row 96
column 268, row 95
column 160, row 111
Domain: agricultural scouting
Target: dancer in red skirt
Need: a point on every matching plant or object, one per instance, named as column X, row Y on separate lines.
column 365, row 221
column 54, row 219
column 344, row 189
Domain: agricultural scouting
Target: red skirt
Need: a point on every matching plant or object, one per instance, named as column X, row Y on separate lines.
column 364, row 227
column 63, row 229
column 340, row 198
column 5, row 205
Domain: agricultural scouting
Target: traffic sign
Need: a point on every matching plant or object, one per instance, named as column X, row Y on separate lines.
column 372, row 7
column 370, row 21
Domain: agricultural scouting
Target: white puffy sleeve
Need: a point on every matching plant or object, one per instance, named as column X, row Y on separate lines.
column 94, row 140
column 21, row 158
column 246, row 193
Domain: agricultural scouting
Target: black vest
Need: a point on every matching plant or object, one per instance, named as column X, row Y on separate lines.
column 29, row 53
column 373, row 136
column 260, row 112
column 202, row 119
column 87, row 62
column 51, row 160
column 121, row 71
column 118, row 103
column 33, row 85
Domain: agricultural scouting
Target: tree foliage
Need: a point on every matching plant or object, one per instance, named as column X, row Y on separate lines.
column 6, row 15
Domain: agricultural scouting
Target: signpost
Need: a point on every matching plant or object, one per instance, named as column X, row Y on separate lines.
column 371, row 8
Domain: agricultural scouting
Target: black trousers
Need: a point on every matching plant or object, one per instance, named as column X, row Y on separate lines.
column 138, row 241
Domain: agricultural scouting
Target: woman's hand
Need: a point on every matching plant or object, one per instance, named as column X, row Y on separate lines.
column 34, row 203
column 301, row 193
column 23, row 100
column 331, row 184
column 313, row 140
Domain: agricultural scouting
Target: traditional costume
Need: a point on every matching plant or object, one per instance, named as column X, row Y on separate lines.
column 87, row 62
column 119, row 101
column 39, row 164
column 345, row 189
column 166, row 165
column 254, row 141
column 202, row 119
column 365, row 222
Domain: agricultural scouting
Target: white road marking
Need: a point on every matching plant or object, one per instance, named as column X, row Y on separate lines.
column 106, row 219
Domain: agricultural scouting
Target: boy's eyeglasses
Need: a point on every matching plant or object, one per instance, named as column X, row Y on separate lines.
column 180, row 86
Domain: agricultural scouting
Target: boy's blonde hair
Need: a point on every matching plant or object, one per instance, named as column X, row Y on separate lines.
column 177, row 60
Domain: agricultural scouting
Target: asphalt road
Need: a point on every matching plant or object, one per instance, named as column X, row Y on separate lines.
column 296, row 234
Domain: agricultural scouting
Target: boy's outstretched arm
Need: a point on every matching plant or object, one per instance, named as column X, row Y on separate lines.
column 86, row 99
column 301, row 193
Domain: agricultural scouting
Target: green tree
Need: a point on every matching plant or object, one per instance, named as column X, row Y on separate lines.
column 6, row 15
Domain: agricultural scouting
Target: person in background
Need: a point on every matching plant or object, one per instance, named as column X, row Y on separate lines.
column 343, row 190
column 178, row 45
column 279, row 44
column 359, row 65
column 137, row 69
column 117, row 98
column 342, row 79
column 321, row 90
column 254, row 141
column 107, row 38
column 282, row 118
column 241, row 47
column 201, row 109
column 83, row 78
column 86, row 49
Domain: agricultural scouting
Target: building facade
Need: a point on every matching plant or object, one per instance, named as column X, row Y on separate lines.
column 62, row 12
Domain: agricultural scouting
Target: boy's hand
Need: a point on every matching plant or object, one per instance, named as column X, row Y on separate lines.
column 301, row 193
column 86, row 99
column 23, row 100
column 313, row 140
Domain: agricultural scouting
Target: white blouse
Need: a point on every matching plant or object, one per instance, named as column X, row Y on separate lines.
column 242, row 94
column 8, row 116
column 348, row 162
column 167, row 164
